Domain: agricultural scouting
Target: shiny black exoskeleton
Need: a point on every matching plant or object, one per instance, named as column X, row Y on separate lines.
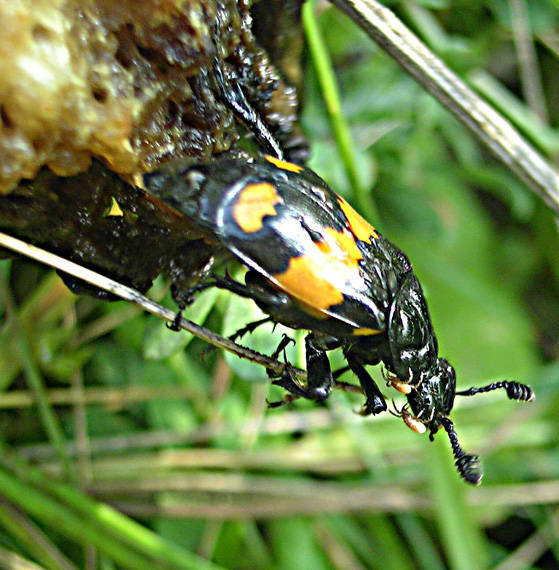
column 315, row 264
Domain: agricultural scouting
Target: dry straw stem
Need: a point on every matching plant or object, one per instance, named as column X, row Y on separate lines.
column 204, row 492
column 129, row 294
column 488, row 125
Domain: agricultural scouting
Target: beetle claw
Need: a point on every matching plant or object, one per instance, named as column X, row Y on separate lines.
column 174, row 325
column 287, row 399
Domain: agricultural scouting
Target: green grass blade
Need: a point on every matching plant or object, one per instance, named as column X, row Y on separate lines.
column 461, row 537
column 82, row 518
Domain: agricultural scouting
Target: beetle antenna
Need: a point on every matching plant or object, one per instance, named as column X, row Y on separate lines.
column 468, row 466
column 515, row 390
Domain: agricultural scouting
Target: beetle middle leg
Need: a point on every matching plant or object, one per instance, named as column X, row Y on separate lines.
column 319, row 374
column 286, row 378
column 261, row 295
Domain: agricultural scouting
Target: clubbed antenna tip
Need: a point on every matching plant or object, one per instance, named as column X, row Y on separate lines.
column 515, row 390
column 468, row 466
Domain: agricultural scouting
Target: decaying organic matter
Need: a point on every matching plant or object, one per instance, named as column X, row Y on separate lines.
column 128, row 82
column 125, row 86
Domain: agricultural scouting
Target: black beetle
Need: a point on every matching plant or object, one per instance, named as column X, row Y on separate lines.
column 316, row 264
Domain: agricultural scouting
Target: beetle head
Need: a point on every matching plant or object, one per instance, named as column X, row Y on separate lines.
column 433, row 397
column 431, row 401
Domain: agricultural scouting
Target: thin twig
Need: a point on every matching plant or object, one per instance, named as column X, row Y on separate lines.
column 200, row 493
column 280, row 424
column 489, row 126
column 129, row 294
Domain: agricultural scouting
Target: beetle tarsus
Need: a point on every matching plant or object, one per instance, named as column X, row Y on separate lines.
column 319, row 377
column 375, row 402
column 284, row 343
column 287, row 399
column 185, row 298
column 287, row 382
column 174, row 325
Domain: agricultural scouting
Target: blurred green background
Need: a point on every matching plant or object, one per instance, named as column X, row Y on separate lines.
column 181, row 440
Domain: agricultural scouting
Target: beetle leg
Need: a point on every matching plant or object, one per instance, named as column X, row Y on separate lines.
column 250, row 328
column 284, row 343
column 340, row 372
column 319, row 374
column 179, row 299
column 174, row 325
column 287, row 382
column 237, row 335
column 228, row 283
column 185, row 298
column 286, row 371
column 287, row 399
column 233, row 96
column 258, row 295
column 375, row 402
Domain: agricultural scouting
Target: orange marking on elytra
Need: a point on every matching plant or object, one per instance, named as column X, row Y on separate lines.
column 319, row 277
column 303, row 280
column 283, row 164
column 340, row 246
column 254, row 203
column 360, row 227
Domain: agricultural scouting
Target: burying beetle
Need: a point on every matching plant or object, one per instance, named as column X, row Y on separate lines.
column 316, row 264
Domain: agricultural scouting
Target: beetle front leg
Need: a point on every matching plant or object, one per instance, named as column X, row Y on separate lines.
column 375, row 402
